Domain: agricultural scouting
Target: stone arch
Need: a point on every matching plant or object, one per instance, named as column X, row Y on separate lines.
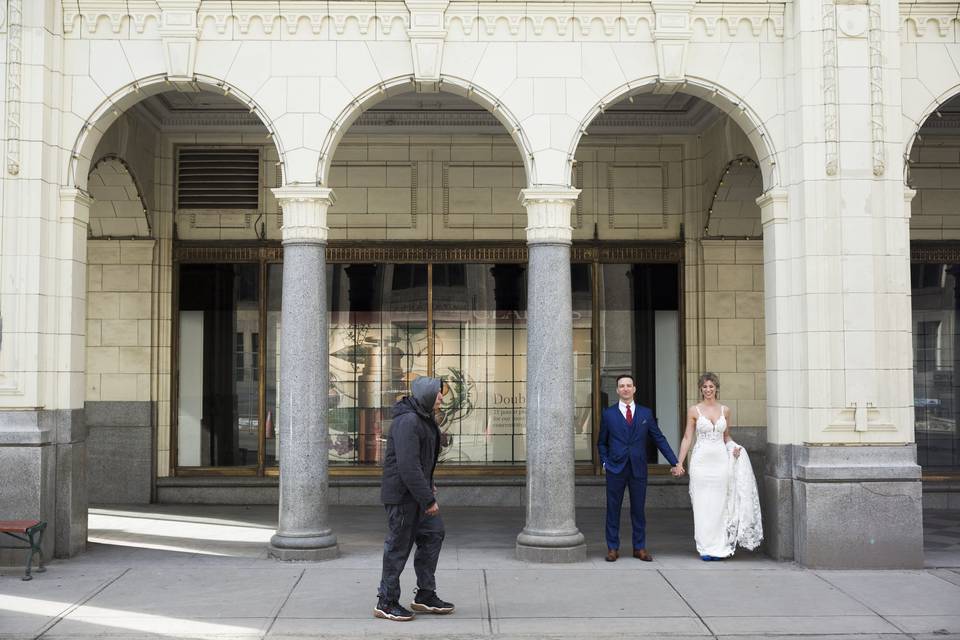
column 728, row 102
column 109, row 110
column 405, row 83
column 733, row 211
column 118, row 208
column 919, row 120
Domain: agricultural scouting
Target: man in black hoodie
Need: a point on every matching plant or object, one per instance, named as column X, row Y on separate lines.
column 409, row 497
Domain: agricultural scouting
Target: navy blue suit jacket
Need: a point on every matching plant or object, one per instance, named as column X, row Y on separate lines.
column 619, row 441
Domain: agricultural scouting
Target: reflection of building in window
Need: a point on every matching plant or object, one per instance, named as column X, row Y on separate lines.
column 255, row 356
column 238, row 351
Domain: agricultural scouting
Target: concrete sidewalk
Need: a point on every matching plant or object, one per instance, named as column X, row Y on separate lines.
column 201, row 572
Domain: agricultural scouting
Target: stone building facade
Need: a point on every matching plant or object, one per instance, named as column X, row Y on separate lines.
column 233, row 232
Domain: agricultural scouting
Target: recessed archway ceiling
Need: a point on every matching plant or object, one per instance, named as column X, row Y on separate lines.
column 416, row 112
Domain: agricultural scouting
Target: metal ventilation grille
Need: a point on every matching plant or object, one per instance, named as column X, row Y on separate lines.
column 218, row 178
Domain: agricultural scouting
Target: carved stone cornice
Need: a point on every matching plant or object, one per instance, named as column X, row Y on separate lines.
column 940, row 15
column 693, row 120
column 382, row 17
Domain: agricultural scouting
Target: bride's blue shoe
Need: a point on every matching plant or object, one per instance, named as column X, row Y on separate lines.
column 707, row 558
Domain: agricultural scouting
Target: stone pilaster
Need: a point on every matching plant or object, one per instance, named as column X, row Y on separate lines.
column 304, row 532
column 550, row 533
column 66, row 387
column 842, row 484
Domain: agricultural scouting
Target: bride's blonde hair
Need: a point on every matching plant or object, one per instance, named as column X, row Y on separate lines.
column 712, row 377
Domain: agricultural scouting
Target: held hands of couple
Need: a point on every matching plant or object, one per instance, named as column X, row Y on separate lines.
column 677, row 470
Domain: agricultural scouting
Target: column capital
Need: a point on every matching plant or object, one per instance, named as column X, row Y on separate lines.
column 304, row 212
column 75, row 204
column 548, row 214
column 773, row 207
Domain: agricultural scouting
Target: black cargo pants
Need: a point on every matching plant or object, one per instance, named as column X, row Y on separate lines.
column 408, row 524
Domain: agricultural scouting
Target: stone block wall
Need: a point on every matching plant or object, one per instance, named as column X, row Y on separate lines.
column 733, row 328
column 119, row 407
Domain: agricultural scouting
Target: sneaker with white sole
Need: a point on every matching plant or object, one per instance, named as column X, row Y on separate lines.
column 428, row 602
column 392, row 611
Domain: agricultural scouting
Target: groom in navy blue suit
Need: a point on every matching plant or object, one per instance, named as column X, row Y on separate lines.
column 622, row 444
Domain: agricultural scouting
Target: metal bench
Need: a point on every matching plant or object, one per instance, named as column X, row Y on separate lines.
column 29, row 534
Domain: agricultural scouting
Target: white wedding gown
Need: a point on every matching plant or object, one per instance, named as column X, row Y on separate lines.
column 723, row 491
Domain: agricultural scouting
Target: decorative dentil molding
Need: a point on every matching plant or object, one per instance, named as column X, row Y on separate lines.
column 943, row 15
column 831, row 127
column 14, row 68
column 370, row 18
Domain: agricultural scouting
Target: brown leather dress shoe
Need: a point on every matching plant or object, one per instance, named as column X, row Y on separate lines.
column 612, row 555
column 641, row 554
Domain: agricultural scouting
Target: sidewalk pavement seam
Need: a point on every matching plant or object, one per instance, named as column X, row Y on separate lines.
column 486, row 597
column 276, row 613
column 63, row 614
column 689, row 606
column 858, row 600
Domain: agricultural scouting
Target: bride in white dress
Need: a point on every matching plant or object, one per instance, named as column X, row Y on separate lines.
column 723, row 490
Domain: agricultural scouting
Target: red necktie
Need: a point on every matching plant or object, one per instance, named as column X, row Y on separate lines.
column 629, row 415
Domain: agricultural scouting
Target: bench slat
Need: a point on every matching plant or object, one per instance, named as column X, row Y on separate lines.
column 17, row 526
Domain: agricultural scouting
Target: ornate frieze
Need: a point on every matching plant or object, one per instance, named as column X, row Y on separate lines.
column 502, row 252
column 876, row 88
column 941, row 16
column 519, row 19
column 831, row 115
column 14, row 60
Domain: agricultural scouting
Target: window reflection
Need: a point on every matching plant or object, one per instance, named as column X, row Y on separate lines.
column 936, row 309
column 218, row 420
column 378, row 345
column 639, row 335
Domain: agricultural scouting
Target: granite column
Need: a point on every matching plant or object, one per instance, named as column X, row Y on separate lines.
column 304, row 532
column 550, row 533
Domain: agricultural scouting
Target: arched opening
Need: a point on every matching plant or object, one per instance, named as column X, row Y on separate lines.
column 678, row 168
column 175, row 335
column 429, row 275
column 933, row 168
column 118, row 208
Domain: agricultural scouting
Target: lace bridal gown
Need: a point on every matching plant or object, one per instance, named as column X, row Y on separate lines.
column 723, row 491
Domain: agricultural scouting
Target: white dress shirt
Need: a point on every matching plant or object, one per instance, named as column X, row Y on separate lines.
column 623, row 409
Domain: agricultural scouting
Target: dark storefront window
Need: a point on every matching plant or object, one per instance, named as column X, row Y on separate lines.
column 639, row 335
column 218, row 423
column 390, row 323
column 936, row 361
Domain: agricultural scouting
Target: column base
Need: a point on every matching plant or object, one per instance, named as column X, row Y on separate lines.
column 303, row 549
column 551, row 555
column 853, row 507
column 546, row 549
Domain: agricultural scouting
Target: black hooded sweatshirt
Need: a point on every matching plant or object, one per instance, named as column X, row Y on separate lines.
column 413, row 447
